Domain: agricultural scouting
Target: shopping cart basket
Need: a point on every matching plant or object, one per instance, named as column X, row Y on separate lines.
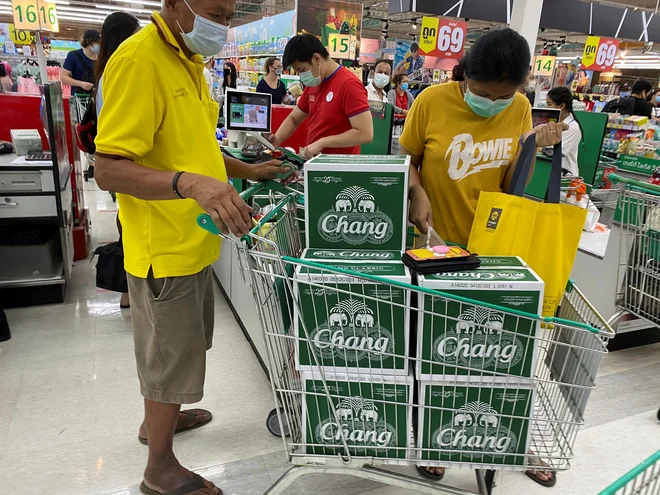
column 638, row 286
column 644, row 479
column 347, row 412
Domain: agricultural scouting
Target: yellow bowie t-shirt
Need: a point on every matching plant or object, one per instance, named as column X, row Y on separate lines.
column 463, row 154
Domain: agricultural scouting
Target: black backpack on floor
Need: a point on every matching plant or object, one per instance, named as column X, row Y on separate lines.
column 110, row 273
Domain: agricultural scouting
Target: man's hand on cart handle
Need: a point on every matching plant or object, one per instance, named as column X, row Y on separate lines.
column 220, row 200
column 421, row 213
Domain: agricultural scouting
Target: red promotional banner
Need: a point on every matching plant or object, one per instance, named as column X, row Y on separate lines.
column 443, row 38
column 599, row 53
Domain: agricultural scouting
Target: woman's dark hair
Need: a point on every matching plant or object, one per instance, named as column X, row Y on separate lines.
column 117, row 28
column 269, row 63
column 302, row 48
column 458, row 72
column 3, row 71
column 90, row 37
column 562, row 94
column 232, row 75
column 501, row 55
column 397, row 79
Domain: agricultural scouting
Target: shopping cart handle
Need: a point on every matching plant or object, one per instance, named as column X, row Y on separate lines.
column 206, row 222
column 643, row 186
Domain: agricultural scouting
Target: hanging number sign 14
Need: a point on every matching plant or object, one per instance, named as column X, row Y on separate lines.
column 543, row 65
column 442, row 37
column 599, row 53
column 33, row 15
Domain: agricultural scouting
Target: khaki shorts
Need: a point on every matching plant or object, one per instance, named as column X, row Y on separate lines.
column 173, row 329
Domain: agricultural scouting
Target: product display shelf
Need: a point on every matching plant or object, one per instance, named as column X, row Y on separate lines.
column 625, row 127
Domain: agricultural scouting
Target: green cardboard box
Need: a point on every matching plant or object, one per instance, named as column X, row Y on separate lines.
column 375, row 414
column 461, row 335
column 349, row 324
column 352, row 255
column 476, row 424
column 501, row 261
column 356, row 202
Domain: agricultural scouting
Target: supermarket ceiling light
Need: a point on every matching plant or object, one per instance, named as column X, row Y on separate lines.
column 133, row 2
column 127, row 9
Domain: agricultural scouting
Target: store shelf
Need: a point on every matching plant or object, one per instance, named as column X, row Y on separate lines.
column 251, row 56
column 624, row 127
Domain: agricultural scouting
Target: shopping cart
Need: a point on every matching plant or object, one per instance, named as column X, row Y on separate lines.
column 638, row 286
column 333, row 424
column 644, row 479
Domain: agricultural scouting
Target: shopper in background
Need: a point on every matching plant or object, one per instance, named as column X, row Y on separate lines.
column 271, row 82
column 376, row 88
column 471, row 146
column 334, row 100
column 229, row 79
column 5, row 80
column 635, row 104
column 78, row 68
column 400, row 97
column 561, row 98
column 208, row 77
column 117, row 28
column 156, row 147
column 7, row 67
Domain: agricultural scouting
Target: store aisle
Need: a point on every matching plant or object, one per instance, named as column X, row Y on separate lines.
column 70, row 406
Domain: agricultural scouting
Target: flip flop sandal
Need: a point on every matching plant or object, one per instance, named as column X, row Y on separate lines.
column 541, row 466
column 197, row 484
column 191, row 413
column 432, row 476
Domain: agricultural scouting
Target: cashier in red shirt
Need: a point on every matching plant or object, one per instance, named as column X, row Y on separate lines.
column 334, row 100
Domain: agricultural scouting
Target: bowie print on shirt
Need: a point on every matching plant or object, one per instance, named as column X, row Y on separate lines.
column 466, row 157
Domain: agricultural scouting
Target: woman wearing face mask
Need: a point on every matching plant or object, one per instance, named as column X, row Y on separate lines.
column 271, row 82
column 78, row 68
column 472, row 145
column 561, row 98
column 376, row 88
column 400, row 97
column 229, row 80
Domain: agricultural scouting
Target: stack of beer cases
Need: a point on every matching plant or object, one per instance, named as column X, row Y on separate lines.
column 353, row 335
column 467, row 413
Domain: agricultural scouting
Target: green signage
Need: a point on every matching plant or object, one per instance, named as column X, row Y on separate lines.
column 638, row 164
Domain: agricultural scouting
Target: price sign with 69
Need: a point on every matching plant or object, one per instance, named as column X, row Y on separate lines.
column 442, row 37
column 599, row 53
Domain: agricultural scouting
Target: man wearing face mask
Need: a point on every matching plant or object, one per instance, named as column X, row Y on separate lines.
column 334, row 100
column 78, row 67
column 156, row 148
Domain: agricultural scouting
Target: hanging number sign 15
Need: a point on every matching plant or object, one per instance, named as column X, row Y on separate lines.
column 341, row 46
column 442, row 37
column 599, row 53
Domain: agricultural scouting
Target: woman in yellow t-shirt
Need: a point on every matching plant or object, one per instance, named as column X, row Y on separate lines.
column 465, row 137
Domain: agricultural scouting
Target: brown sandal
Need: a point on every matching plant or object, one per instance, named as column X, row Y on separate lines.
column 197, row 484
column 532, row 473
column 192, row 414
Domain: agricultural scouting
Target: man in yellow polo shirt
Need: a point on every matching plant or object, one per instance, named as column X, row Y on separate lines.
column 156, row 148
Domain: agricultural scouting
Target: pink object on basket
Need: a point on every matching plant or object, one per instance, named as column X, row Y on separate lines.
column 440, row 249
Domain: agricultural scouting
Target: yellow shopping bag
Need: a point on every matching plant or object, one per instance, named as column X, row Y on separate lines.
column 545, row 234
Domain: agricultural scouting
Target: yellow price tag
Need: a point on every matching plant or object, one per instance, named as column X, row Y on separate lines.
column 25, row 14
column 428, row 35
column 339, row 45
column 48, row 16
column 20, row 36
column 590, row 51
column 543, row 65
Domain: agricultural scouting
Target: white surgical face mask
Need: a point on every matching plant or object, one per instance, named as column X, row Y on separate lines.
column 381, row 80
column 206, row 38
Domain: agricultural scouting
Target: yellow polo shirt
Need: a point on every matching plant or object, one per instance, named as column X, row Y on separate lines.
column 157, row 111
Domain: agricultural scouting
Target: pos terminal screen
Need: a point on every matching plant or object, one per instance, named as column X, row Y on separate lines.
column 248, row 111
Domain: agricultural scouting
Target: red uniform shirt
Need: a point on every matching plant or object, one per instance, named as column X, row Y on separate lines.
column 330, row 106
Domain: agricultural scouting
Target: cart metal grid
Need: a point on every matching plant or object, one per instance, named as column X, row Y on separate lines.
column 643, row 479
column 333, row 424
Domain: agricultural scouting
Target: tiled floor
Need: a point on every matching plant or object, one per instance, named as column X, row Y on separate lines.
column 70, row 407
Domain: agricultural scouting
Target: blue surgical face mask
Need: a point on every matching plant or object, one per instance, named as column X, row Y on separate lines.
column 485, row 107
column 206, row 38
column 95, row 49
column 308, row 79
column 404, row 86
column 657, row 99
column 624, row 94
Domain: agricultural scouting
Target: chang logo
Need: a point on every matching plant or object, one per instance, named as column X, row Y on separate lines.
column 354, row 255
column 475, row 427
column 477, row 342
column 360, row 422
column 352, row 334
column 355, row 219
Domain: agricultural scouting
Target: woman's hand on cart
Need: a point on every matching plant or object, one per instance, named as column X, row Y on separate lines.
column 421, row 214
column 220, row 200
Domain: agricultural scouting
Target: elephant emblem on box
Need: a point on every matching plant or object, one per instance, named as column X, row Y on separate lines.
column 463, row 419
column 366, row 205
column 489, row 420
column 464, row 326
column 369, row 415
column 338, row 320
column 364, row 320
column 345, row 413
column 343, row 205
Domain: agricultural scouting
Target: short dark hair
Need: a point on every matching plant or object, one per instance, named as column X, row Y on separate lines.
column 501, row 55
column 414, row 47
column 302, row 48
column 398, row 77
column 640, row 86
column 458, row 72
column 3, row 71
column 382, row 61
column 90, row 37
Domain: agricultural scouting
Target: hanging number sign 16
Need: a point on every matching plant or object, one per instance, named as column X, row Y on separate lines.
column 33, row 15
column 599, row 53
column 48, row 17
column 442, row 37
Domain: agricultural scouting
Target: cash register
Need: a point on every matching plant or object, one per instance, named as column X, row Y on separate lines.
column 247, row 116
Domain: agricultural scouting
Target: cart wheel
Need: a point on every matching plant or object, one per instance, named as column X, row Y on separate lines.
column 273, row 424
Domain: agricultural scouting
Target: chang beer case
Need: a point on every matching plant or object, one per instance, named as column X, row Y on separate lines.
column 484, row 425
column 462, row 341
column 356, row 202
column 352, row 256
column 352, row 325
column 374, row 413
column 501, row 261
